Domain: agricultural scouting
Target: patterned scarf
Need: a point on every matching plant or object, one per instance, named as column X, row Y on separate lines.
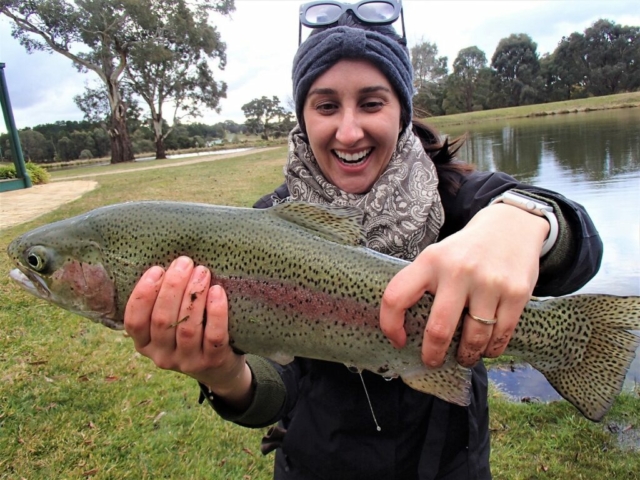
column 402, row 210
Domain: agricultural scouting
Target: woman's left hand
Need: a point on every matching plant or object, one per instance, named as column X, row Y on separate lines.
column 489, row 267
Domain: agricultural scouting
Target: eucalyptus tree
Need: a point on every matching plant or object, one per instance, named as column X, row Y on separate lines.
column 169, row 65
column 517, row 70
column 95, row 35
column 100, row 36
column 94, row 103
column 267, row 116
column 603, row 60
column 467, row 85
column 430, row 74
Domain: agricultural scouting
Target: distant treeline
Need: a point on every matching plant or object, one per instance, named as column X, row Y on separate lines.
column 603, row 60
column 70, row 140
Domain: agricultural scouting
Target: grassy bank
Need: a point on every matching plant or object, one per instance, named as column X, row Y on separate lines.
column 623, row 100
column 76, row 401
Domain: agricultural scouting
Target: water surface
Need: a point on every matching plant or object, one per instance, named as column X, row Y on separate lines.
column 592, row 158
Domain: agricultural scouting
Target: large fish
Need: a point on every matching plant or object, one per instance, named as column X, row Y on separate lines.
column 300, row 283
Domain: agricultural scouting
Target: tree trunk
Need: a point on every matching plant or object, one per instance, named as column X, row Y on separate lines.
column 121, row 149
column 161, row 153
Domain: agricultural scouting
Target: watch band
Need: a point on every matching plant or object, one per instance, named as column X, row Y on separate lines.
column 535, row 207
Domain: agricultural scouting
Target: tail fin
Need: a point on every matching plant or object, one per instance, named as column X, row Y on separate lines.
column 592, row 384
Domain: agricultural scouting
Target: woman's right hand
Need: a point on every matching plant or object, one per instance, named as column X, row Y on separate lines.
column 181, row 323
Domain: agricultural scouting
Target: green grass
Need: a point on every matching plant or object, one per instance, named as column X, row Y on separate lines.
column 622, row 100
column 77, row 401
column 88, row 171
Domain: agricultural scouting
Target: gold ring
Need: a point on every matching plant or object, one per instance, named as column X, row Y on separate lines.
column 483, row 320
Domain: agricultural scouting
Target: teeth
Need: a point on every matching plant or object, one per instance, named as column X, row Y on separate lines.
column 352, row 157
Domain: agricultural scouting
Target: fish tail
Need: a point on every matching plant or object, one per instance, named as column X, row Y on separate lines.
column 597, row 377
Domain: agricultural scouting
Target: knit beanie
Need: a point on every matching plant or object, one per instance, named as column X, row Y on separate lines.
column 324, row 48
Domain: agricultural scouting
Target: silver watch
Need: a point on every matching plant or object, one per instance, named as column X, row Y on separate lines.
column 535, row 207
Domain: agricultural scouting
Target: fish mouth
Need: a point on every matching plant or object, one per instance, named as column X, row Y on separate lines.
column 37, row 288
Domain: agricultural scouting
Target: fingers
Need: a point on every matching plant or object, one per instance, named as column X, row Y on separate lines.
column 166, row 311
column 140, row 305
column 191, row 315
column 508, row 315
column 444, row 317
column 403, row 291
column 476, row 334
column 216, row 333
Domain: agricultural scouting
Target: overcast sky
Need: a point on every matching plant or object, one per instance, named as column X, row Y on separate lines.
column 262, row 37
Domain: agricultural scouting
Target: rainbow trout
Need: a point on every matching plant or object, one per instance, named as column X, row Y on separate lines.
column 300, row 283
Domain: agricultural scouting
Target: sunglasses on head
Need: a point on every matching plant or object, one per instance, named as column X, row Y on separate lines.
column 371, row 12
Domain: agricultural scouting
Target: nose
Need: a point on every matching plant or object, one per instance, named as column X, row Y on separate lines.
column 349, row 129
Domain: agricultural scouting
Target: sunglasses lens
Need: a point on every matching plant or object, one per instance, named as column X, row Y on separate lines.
column 377, row 12
column 322, row 14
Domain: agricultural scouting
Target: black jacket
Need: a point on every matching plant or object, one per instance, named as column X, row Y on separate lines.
column 330, row 430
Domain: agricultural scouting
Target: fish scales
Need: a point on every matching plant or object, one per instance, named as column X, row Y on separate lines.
column 300, row 283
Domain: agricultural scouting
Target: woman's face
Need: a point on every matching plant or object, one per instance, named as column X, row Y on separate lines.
column 352, row 115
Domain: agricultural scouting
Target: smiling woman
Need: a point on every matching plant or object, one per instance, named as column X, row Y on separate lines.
column 354, row 126
column 357, row 145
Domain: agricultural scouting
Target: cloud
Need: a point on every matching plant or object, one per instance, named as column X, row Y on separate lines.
column 41, row 85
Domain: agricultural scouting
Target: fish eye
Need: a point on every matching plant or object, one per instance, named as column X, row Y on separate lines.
column 36, row 260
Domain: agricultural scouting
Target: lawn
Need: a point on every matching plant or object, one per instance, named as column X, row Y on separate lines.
column 77, row 401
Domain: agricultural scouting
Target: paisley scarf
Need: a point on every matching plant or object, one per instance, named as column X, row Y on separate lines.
column 402, row 210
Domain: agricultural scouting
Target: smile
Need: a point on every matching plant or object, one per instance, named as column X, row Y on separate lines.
column 353, row 158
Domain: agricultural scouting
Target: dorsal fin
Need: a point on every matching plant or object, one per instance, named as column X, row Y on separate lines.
column 336, row 224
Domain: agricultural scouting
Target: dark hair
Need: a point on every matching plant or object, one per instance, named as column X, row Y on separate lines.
column 443, row 154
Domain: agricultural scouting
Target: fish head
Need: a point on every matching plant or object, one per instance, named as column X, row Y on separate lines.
column 63, row 264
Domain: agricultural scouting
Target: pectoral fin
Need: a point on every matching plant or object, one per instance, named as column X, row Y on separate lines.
column 451, row 383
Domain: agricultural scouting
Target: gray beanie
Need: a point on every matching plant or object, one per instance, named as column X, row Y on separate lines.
column 324, row 48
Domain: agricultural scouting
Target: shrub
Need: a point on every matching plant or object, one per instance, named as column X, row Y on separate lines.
column 143, row 146
column 7, row 172
column 37, row 174
column 86, row 154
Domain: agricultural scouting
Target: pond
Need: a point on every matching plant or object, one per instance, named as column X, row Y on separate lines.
column 592, row 158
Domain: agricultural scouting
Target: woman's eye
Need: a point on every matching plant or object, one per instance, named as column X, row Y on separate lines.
column 373, row 105
column 326, row 108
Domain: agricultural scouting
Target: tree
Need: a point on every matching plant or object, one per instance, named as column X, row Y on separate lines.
column 267, row 117
column 605, row 59
column 171, row 66
column 35, row 146
column 98, row 31
column 101, row 142
column 65, row 149
column 430, row 74
column 94, row 103
column 517, row 68
column 613, row 57
column 468, row 83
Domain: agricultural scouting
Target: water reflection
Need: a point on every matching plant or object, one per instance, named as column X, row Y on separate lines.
column 592, row 158
column 597, row 144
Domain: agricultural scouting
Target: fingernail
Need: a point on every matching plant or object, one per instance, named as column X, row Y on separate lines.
column 199, row 274
column 215, row 293
column 153, row 274
column 182, row 263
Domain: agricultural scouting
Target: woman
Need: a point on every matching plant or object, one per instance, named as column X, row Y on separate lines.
column 356, row 144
